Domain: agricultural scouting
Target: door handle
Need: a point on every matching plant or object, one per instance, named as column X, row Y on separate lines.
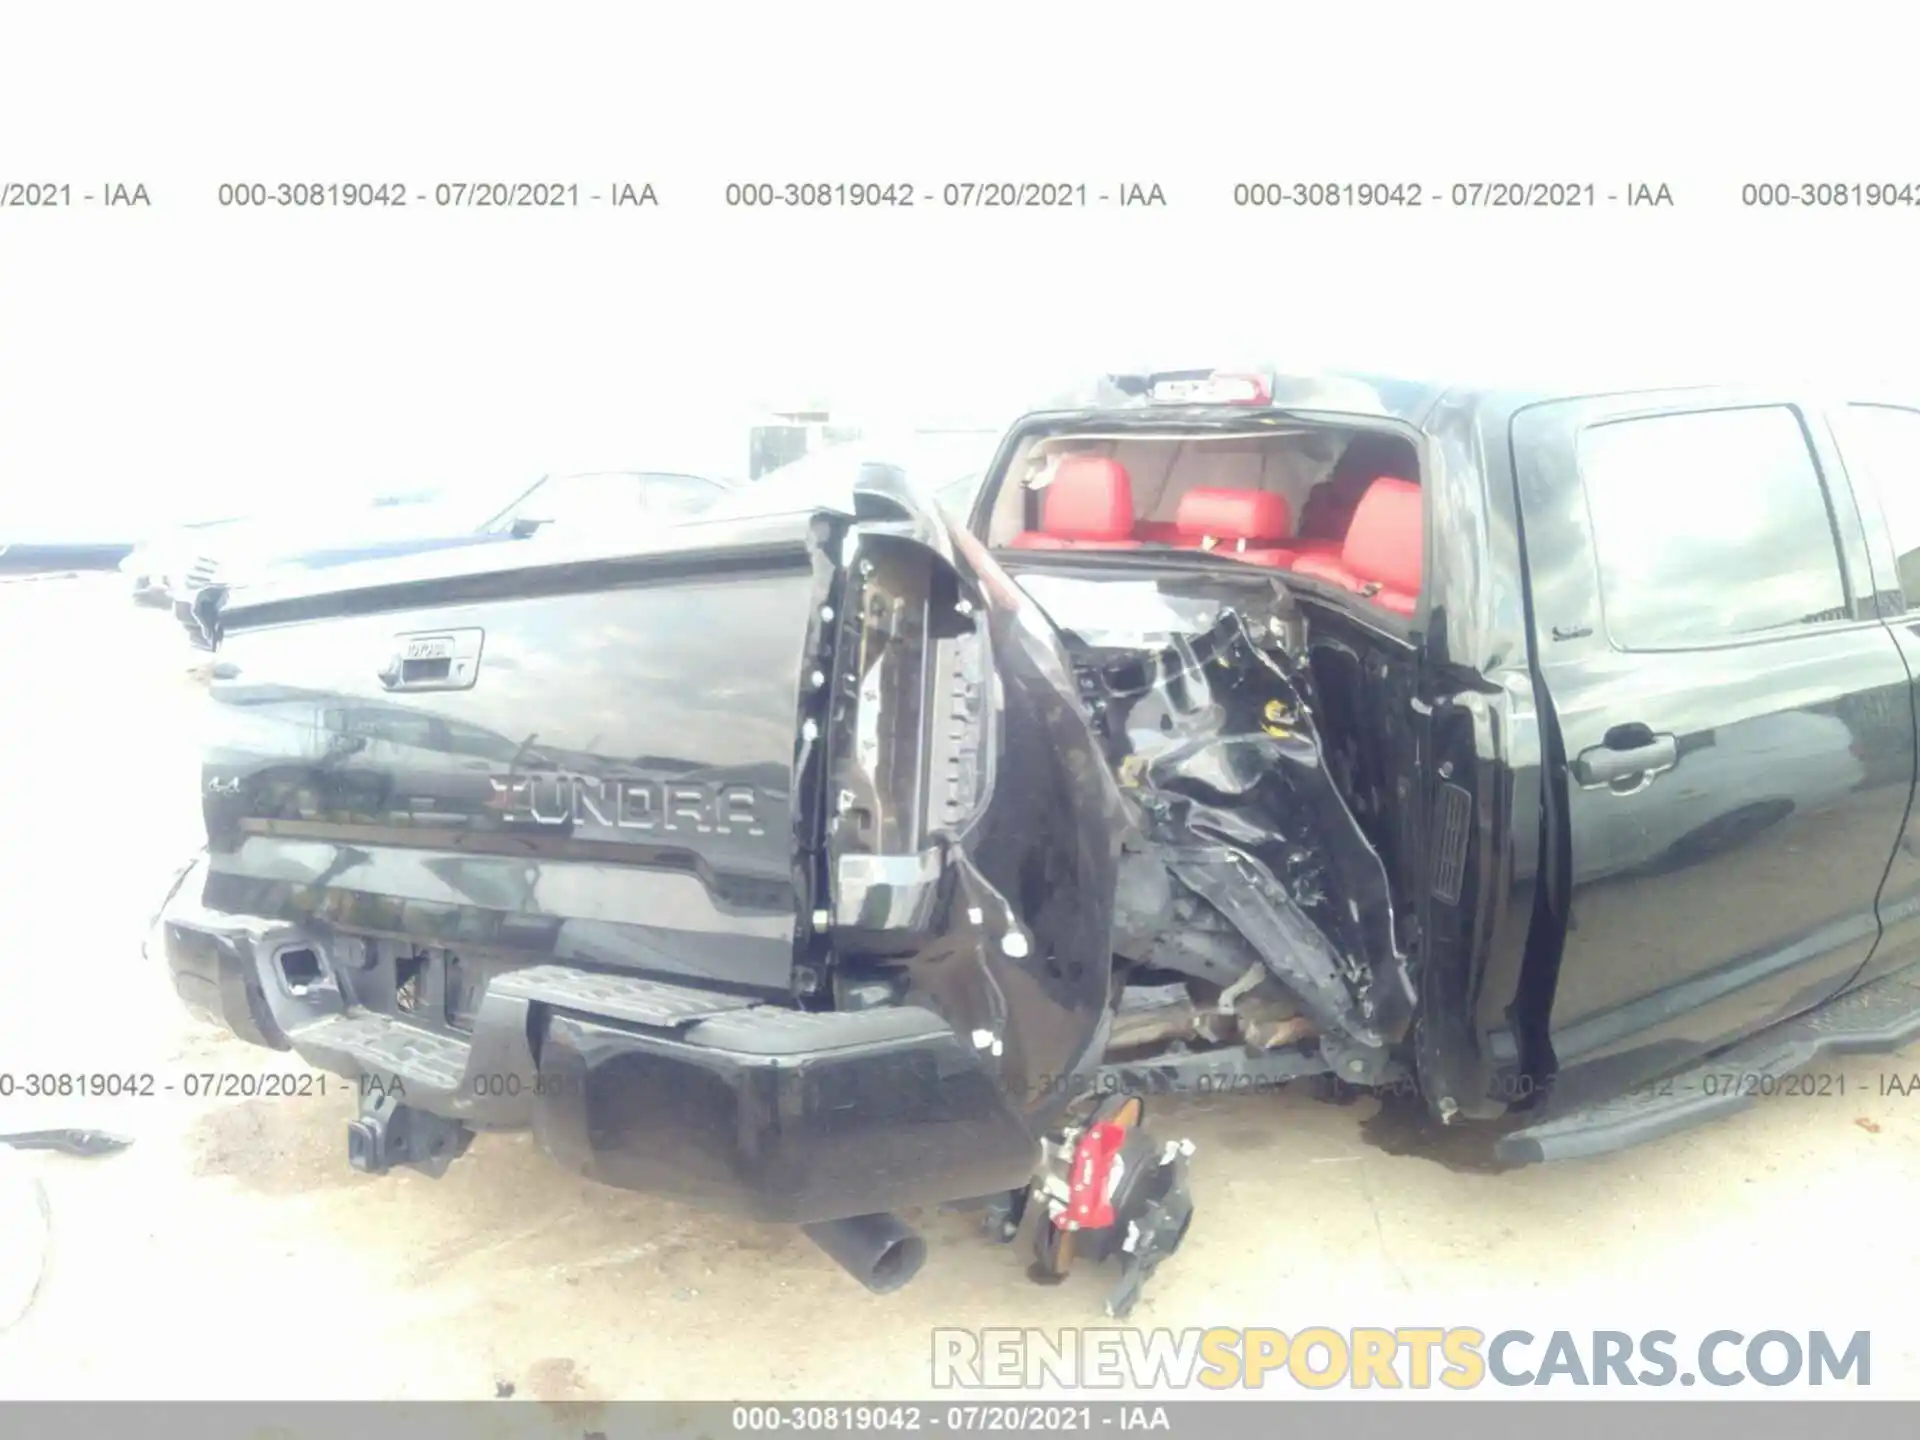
column 1626, row 752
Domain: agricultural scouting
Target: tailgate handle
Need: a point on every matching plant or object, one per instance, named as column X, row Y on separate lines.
column 433, row 660
column 1625, row 753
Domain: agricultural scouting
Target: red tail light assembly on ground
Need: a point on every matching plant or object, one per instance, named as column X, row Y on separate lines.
column 1089, row 1183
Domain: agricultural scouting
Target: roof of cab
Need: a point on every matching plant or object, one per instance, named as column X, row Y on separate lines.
column 1370, row 395
column 1379, row 396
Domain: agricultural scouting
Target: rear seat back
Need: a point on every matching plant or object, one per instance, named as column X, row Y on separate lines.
column 1251, row 525
column 1088, row 505
column 1381, row 556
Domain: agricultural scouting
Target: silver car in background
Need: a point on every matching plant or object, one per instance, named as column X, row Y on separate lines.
column 313, row 537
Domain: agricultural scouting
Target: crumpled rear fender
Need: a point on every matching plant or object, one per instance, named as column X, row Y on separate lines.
column 973, row 829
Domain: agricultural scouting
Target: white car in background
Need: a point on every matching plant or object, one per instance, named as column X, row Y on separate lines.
column 319, row 536
column 156, row 571
column 948, row 464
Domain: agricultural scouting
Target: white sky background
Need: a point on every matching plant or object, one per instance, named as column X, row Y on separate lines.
column 158, row 363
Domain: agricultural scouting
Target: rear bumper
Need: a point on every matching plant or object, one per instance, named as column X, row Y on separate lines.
column 744, row 1108
column 781, row 1115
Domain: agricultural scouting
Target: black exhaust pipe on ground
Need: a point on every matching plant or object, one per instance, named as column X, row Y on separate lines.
column 877, row 1250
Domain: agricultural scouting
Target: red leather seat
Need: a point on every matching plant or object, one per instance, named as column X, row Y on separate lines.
column 1380, row 557
column 1308, row 546
column 1250, row 525
column 1088, row 505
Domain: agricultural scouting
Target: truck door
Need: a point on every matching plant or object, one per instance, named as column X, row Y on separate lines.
column 1880, row 445
column 1730, row 738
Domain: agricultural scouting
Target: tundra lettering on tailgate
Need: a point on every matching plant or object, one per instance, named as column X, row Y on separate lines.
column 666, row 806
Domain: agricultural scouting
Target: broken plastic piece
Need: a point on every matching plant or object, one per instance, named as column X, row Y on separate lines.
column 84, row 1143
column 1161, row 1213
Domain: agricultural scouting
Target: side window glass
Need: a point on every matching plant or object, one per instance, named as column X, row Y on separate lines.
column 1709, row 526
column 579, row 500
column 1881, row 444
column 680, row 494
column 471, row 740
column 410, row 730
column 395, row 727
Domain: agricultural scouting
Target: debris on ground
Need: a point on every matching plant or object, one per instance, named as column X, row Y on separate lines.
column 85, row 1143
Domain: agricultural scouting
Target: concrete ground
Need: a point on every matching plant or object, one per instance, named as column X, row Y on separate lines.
column 231, row 1253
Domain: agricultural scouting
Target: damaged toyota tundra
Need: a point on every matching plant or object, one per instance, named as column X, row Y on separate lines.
column 1547, row 759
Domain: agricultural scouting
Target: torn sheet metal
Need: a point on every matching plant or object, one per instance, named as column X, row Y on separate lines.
column 1215, row 738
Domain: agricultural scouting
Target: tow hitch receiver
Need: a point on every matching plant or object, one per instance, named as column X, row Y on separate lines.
column 1109, row 1189
column 389, row 1134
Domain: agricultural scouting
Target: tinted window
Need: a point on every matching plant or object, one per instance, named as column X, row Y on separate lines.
column 584, row 500
column 1709, row 526
column 471, row 740
column 406, row 730
column 679, row 494
column 947, row 465
column 822, row 478
column 1882, row 444
column 396, row 726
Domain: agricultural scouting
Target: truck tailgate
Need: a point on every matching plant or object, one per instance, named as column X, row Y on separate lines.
column 579, row 760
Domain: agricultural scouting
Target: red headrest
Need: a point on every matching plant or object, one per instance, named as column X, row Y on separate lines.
column 1089, row 498
column 1234, row 515
column 1384, row 542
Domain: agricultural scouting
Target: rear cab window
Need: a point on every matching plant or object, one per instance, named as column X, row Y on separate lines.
column 1321, row 499
column 1710, row 526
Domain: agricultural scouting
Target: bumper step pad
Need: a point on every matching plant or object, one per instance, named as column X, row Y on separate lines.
column 388, row 1048
column 616, row 997
column 491, row 1078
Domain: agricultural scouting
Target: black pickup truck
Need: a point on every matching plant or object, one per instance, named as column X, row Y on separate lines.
column 1550, row 757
